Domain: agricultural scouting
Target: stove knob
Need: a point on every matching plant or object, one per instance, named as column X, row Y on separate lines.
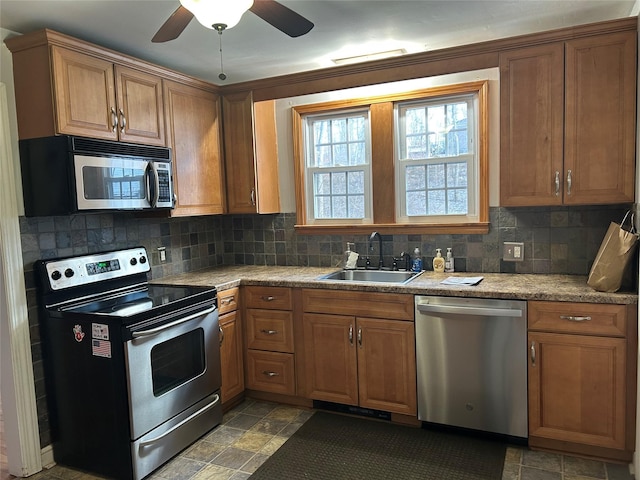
column 69, row 273
column 143, row 259
column 133, row 261
column 56, row 275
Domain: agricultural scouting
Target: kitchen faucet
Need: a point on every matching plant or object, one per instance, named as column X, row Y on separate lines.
column 371, row 238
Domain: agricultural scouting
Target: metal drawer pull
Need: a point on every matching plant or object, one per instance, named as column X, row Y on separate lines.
column 123, row 121
column 575, row 319
column 270, row 374
column 557, row 183
column 114, row 119
column 269, row 332
column 148, row 443
column 360, row 337
column 221, row 334
column 533, row 354
column 569, row 182
column 351, row 334
column 228, row 300
column 268, row 299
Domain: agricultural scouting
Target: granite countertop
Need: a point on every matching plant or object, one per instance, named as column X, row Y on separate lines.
column 564, row 288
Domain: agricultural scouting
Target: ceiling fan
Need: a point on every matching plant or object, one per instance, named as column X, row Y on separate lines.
column 222, row 14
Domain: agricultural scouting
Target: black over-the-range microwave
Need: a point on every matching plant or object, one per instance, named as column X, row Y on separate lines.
column 67, row 174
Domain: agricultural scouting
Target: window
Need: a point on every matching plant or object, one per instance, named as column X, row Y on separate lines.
column 338, row 167
column 436, row 160
column 415, row 162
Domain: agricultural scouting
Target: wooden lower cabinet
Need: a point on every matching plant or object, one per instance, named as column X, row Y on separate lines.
column 232, row 365
column 361, row 361
column 271, row 372
column 582, row 385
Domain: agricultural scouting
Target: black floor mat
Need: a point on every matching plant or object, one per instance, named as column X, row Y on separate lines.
column 337, row 447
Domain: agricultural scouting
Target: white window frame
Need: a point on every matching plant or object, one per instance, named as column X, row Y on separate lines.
column 471, row 159
column 309, row 171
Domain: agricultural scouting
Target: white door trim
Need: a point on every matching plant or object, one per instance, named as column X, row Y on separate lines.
column 20, row 415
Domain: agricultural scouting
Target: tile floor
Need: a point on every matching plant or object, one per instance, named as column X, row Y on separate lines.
column 254, row 430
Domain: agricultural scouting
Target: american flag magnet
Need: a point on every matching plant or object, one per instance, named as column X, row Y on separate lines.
column 101, row 348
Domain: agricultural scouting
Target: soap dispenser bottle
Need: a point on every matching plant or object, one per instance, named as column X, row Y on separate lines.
column 416, row 262
column 438, row 262
column 350, row 257
column 448, row 262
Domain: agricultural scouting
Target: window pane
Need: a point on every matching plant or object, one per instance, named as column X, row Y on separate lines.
column 339, row 183
column 339, row 130
column 456, row 175
column 357, row 153
column 356, row 182
column 435, row 176
column 356, row 206
column 415, row 120
column 356, row 129
column 339, row 207
column 457, row 201
column 322, row 183
column 436, row 203
column 416, row 203
column 322, row 156
column 321, row 132
column 322, row 207
column 416, row 147
column 415, row 179
column 340, row 155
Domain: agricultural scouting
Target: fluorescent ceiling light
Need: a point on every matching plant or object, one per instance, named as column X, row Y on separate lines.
column 369, row 56
column 217, row 12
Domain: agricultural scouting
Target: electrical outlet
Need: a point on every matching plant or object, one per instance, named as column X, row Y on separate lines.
column 163, row 254
column 513, row 252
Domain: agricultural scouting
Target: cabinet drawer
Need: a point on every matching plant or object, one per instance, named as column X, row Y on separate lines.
column 579, row 318
column 270, row 330
column 228, row 300
column 278, row 298
column 271, row 372
column 391, row 306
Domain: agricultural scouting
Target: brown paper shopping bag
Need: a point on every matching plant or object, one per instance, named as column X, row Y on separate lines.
column 614, row 256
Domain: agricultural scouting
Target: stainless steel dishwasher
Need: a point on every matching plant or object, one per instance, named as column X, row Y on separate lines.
column 471, row 358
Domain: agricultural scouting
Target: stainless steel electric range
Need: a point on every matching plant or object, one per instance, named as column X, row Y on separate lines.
column 132, row 369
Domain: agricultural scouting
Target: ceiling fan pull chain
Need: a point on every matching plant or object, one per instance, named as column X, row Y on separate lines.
column 220, row 28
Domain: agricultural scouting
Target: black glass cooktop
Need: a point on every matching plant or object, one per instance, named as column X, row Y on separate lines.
column 145, row 299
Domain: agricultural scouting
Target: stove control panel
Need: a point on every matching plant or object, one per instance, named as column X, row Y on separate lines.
column 78, row 271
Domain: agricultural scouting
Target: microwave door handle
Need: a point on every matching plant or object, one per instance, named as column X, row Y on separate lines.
column 153, row 184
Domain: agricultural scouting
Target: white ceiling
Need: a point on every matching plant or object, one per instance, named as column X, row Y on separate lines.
column 254, row 49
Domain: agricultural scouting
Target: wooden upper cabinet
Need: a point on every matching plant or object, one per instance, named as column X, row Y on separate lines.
column 600, row 119
column 193, row 132
column 140, row 107
column 567, row 116
column 84, row 93
column 87, row 96
column 251, row 154
column 531, row 125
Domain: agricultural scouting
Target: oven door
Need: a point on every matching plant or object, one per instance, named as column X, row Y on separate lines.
column 171, row 367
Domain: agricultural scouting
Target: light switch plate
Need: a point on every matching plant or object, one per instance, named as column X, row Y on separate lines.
column 513, row 252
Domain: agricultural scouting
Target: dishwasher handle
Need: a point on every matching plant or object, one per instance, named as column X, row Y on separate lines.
column 459, row 310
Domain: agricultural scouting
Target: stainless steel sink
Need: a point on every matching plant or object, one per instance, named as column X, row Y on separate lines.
column 387, row 276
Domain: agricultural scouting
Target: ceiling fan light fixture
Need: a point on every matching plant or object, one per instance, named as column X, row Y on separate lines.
column 216, row 12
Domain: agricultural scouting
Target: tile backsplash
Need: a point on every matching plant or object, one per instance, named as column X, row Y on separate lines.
column 556, row 240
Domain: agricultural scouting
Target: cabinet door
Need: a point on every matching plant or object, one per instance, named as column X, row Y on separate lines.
column 193, row 129
column 251, row 155
column 331, row 358
column 577, row 389
column 531, row 126
column 84, row 95
column 231, row 356
column 239, row 153
column 140, row 107
column 387, row 365
column 600, row 119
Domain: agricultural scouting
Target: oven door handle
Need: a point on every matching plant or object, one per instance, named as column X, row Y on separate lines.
column 155, row 331
column 150, row 442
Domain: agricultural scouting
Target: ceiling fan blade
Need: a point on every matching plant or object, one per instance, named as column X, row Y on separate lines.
column 281, row 17
column 173, row 27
